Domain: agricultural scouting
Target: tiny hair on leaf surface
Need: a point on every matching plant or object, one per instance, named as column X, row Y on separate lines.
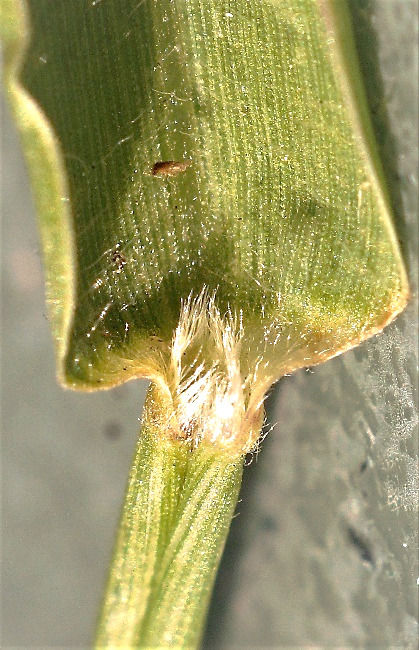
column 213, row 216
column 283, row 214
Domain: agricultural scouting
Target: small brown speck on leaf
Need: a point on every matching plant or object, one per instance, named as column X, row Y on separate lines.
column 170, row 167
column 119, row 260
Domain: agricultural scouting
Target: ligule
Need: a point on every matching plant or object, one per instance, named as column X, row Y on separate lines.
column 209, row 399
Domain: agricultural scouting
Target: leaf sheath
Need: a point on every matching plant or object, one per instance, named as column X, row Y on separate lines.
column 174, row 524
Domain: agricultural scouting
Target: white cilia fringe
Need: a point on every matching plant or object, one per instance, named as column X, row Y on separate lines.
column 210, row 399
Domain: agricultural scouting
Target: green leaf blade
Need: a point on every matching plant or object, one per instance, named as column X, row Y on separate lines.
column 280, row 212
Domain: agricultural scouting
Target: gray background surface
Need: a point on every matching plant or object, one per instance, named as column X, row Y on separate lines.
column 323, row 551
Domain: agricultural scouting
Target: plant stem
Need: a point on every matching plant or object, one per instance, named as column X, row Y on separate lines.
column 175, row 519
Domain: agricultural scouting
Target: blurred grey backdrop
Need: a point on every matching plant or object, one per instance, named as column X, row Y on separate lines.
column 323, row 549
